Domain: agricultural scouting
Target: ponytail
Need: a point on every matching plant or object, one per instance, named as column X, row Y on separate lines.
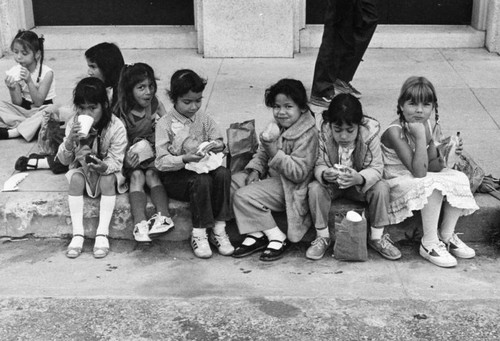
column 41, row 40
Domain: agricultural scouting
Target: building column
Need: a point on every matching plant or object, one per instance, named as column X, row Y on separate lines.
column 14, row 15
column 493, row 26
column 249, row 28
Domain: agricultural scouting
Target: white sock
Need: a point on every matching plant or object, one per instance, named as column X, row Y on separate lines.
column 42, row 163
column 376, row 232
column 322, row 232
column 219, row 228
column 251, row 241
column 199, row 232
column 275, row 234
column 14, row 133
column 106, row 207
column 76, row 212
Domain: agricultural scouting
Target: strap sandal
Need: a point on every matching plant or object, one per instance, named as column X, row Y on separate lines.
column 246, row 250
column 23, row 165
column 72, row 251
column 270, row 255
column 101, row 251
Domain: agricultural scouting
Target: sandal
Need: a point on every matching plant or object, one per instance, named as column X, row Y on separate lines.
column 247, row 250
column 101, row 251
column 270, row 255
column 72, row 251
column 23, row 165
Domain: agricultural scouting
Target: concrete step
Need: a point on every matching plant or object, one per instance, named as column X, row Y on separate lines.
column 46, row 214
column 409, row 36
column 164, row 37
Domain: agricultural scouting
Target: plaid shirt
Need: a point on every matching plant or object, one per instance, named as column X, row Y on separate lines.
column 176, row 135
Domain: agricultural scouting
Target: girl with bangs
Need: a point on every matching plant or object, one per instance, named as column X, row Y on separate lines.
column 139, row 109
column 95, row 161
column 419, row 179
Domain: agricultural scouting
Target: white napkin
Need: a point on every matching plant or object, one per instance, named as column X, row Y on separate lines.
column 11, row 184
column 15, row 72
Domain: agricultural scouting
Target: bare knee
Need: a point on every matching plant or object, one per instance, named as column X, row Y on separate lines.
column 137, row 180
column 108, row 184
column 76, row 184
column 152, row 178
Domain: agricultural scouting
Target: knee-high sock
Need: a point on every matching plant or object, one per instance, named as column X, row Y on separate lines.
column 107, row 205
column 430, row 218
column 138, row 201
column 160, row 200
column 76, row 212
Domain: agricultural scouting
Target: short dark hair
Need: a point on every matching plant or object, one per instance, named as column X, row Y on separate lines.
column 344, row 108
column 183, row 81
column 289, row 87
column 92, row 90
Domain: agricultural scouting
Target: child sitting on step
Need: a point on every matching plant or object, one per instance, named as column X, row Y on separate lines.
column 31, row 85
column 179, row 135
column 349, row 165
column 276, row 178
column 418, row 178
column 95, row 160
column 139, row 109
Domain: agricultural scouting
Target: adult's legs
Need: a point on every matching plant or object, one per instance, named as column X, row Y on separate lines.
column 336, row 45
column 365, row 23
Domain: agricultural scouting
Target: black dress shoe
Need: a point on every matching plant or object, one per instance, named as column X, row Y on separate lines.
column 270, row 255
column 247, row 250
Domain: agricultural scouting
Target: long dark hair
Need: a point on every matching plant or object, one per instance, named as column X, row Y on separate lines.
column 92, row 90
column 29, row 40
column 131, row 75
column 109, row 60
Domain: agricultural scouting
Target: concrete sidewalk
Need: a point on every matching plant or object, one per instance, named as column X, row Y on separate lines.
column 468, row 89
column 163, row 292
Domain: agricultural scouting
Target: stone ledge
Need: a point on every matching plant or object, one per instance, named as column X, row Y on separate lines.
column 46, row 214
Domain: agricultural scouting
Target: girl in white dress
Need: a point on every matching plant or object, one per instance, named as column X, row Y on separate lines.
column 418, row 178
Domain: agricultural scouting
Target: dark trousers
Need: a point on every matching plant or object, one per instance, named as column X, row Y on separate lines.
column 208, row 194
column 348, row 29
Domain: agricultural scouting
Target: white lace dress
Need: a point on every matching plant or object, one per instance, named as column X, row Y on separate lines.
column 410, row 194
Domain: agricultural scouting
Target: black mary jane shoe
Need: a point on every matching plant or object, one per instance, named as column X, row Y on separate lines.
column 270, row 255
column 246, row 250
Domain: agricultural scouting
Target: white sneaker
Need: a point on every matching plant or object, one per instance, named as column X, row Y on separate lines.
column 222, row 243
column 159, row 225
column 438, row 255
column 200, row 246
column 458, row 248
column 141, row 231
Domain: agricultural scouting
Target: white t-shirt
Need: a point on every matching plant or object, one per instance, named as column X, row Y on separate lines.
column 25, row 91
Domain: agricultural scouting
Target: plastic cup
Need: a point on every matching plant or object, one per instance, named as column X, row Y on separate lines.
column 86, row 122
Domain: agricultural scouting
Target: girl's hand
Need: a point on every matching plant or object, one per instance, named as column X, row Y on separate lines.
column 252, row 177
column 131, row 160
column 11, row 83
column 271, row 147
column 330, row 175
column 99, row 166
column 74, row 135
column 416, row 130
column 349, row 178
column 25, row 74
column 82, row 153
column 216, row 146
column 192, row 157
